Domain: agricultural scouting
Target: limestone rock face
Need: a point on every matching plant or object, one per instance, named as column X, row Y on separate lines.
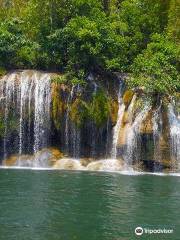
column 164, row 142
column 146, row 126
column 47, row 157
column 44, row 158
column 86, row 161
column 16, row 160
column 114, row 111
column 127, row 97
column 123, row 135
column 106, row 165
column 68, row 164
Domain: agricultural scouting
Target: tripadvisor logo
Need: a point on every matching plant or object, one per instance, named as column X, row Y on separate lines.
column 139, row 231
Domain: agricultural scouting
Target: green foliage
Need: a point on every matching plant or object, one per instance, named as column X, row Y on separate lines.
column 173, row 27
column 90, row 45
column 77, row 78
column 2, row 71
column 77, row 37
column 15, row 48
column 141, row 19
column 58, row 105
column 157, row 68
column 59, row 79
column 70, row 78
column 99, row 109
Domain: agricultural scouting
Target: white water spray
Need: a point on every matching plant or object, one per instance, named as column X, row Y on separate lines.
column 174, row 122
column 132, row 153
column 23, row 93
column 118, row 125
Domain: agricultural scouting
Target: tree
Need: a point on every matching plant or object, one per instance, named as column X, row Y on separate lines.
column 173, row 28
column 90, row 45
column 15, row 49
column 157, row 68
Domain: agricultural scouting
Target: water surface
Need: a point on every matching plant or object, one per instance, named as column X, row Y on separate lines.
column 60, row 205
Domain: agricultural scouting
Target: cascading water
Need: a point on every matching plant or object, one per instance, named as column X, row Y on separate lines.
column 72, row 133
column 76, row 142
column 42, row 98
column 142, row 136
column 157, row 132
column 133, row 141
column 67, row 121
column 7, row 86
column 130, row 109
column 174, row 121
column 107, row 137
column 92, row 126
column 27, row 100
column 118, row 125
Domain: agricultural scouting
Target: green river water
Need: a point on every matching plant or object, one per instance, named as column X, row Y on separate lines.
column 60, row 205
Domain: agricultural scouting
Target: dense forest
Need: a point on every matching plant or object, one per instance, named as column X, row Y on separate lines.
column 76, row 37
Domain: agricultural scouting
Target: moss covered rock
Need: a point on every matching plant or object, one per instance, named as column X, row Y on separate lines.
column 58, row 103
column 127, row 97
column 114, row 106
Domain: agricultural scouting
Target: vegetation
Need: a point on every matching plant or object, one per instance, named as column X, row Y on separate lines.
column 97, row 110
column 76, row 37
column 156, row 68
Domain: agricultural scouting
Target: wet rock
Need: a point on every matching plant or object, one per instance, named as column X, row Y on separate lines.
column 114, row 111
column 68, row 164
column 146, row 126
column 18, row 161
column 44, row 158
column 127, row 97
column 154, row 166
column 123, row 135
column 59, row 95
column 11, row 161
column 47, row 157
column 86, row 161
column 106, row 165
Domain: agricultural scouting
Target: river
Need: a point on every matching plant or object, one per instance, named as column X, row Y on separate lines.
column 55, row 205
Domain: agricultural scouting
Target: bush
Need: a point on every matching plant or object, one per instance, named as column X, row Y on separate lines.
column 157, row 68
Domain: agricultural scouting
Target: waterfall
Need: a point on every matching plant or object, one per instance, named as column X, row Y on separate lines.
column 76, row 142
column 27, row 100
column 157, row 131
column 42, row 99
column 118, row 125
column 147, row 135
column 174, row 121
column 107, row 137
column 130, row 109
column 133, row 141
column 93, row 140
column 22, row 97
column 7, row 85
column 72, row 133
column 93, row 129
column 67, row 121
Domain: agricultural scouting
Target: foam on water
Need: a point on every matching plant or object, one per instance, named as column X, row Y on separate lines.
column 130, row 172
